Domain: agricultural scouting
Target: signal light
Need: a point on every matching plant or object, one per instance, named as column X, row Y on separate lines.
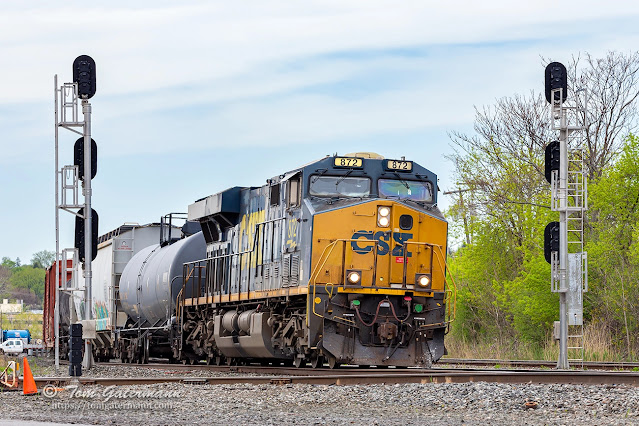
column 79, row 234
column 551, row 240
column 84, row 75
column 75, row 350
column 78, row 157
column 556, row 78
column 553, row 154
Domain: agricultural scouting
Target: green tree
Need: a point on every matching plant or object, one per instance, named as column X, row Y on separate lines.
column 8, row 263
column 613, row 249
column 30, row 278
column 42, row 259
column 503, row 278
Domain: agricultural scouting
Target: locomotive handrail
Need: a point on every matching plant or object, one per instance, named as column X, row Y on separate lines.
column 452, row 310
column 258, row 230
column 450, row 288
column 315, row 273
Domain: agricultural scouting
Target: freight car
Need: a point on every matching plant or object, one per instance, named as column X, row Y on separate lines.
column 115, row 249
column 340, row 261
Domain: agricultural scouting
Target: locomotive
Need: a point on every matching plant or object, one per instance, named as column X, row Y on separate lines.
column 342, row 260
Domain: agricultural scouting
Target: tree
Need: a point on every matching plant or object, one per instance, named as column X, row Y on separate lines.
column 30, row 278
column 504, row 279
column 613, row 88
column 42, row 259
column 5, row 275
column 613, row 250
column 8, row 263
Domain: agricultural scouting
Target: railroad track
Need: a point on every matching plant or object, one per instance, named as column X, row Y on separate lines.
column 508, row 371
column 459, row 362
column 330, row 377
column 589, row 365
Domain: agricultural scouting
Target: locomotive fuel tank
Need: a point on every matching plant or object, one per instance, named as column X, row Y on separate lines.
column 152, row 279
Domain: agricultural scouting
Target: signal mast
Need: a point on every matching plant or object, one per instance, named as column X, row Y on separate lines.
column 564, row 240
column 68, row 97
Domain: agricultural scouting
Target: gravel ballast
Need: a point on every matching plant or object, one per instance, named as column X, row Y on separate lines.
column 468, row 403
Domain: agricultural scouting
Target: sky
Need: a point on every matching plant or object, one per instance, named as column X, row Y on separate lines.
column 194, row 97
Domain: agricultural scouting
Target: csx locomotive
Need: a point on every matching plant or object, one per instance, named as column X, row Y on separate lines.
column 342, row 260
column 339, row 261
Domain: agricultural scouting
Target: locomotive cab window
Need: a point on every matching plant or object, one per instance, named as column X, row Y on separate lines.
column 339, row 186
column 405, row 190
column 294, row 191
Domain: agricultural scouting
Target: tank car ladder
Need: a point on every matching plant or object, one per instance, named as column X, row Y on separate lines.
column 117, row 266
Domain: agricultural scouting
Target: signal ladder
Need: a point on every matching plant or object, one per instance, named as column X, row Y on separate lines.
column 576, row 204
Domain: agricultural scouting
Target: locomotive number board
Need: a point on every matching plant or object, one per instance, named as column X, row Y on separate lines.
column 399, row 165
column 348, row 162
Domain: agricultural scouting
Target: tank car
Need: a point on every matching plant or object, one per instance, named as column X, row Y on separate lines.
column 342, row 260
column 149, row 286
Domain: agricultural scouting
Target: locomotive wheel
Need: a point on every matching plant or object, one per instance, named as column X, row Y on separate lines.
column 185, row 361
column 210, row 360
column 299, row 362
column 317, row 361
column 230, row 361
column 332, row 362
column 219, row 360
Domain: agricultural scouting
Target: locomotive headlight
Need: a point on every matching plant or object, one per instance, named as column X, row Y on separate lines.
column 353, row 277
column 383, row 216
column 423, row 280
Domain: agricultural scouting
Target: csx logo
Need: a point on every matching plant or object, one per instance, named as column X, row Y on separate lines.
column 383, row 243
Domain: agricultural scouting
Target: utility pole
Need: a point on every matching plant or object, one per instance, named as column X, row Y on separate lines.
column 461, row 203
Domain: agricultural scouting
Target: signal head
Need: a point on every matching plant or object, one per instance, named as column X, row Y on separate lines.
column 556, row 78
column 84, row 75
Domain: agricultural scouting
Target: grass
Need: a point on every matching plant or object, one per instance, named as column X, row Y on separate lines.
column 23, row 321
column 597, row 341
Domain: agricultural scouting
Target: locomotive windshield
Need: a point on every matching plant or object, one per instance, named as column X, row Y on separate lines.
column 405, row 189
column 339, row 186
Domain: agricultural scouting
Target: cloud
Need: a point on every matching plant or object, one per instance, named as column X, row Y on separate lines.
column 184, row 87
column 156, row 46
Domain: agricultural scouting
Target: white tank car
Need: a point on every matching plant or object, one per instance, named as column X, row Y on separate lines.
column 115, row 250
